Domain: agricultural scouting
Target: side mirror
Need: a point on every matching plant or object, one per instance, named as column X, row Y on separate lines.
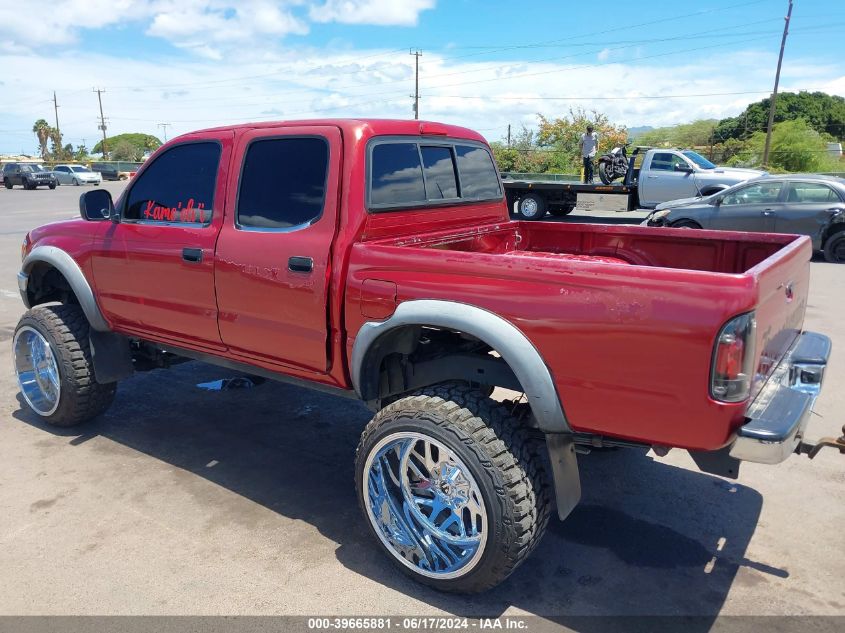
column 684, row 168
column 716, row 201
column 97, row 205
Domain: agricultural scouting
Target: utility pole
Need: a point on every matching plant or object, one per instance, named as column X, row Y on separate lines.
column 417, row 53
column 509, row 134
column 102, row 125
column 56, row 108
column 163, row 126
column 775, row 91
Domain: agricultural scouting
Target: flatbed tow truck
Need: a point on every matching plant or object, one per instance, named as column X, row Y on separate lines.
column 654, row 175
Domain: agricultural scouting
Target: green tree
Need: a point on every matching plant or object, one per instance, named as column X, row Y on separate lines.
column 823, row 112
column 42, row 130
column 796, row 147
column 81, row 154
column 140, row 143
column 124, row 150
column 561, row 135
column 523, row 154
column 693, row 134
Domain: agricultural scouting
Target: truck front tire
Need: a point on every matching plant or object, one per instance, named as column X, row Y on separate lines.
column 53, row 363
column 453, row 487
column 531, row 207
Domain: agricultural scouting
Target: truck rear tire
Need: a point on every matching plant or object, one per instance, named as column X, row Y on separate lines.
column 53, row 364
column 453, row 487
column 531, row 207
column 561, row 211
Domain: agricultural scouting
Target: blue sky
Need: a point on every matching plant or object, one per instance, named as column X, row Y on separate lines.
column 198, row 63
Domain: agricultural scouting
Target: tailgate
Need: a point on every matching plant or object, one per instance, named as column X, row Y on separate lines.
column 782, row 284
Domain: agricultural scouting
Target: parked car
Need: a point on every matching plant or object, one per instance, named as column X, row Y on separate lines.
column 28, row 175
column 803, row 204
column 76, row 175
column 375, row 260
column 120, row 170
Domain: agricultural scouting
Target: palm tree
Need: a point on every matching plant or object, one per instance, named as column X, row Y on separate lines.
column 42, row 131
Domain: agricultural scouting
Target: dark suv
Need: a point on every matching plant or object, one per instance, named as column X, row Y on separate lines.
column 28, row 175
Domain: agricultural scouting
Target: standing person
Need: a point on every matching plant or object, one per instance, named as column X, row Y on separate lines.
column 589, row 145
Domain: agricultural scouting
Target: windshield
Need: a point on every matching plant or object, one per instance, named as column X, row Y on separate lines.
column 698, row 159
column 80, row 170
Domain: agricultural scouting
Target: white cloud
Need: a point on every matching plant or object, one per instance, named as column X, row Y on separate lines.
column 247, row 84
column 380, row 12
column 206, row 27
column 603, row 54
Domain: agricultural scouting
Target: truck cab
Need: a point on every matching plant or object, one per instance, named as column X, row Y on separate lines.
column 672, row 174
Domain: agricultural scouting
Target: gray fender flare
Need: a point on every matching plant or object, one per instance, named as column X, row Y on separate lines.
column 519, row 353
column 65, row 264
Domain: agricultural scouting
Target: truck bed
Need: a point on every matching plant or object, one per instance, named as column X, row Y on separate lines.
column 626, row 316
column 718, row 252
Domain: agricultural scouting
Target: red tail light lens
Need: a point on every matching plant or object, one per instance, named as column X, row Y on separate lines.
column 733, row 357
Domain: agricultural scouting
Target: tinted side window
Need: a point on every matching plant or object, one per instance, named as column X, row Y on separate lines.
column 478, row 173
column 396, row 174
column 662, row 162
column 439, row 169
column 178, row 186
column 283, row 182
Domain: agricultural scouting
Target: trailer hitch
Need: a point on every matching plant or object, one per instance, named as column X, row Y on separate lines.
column 811, row 450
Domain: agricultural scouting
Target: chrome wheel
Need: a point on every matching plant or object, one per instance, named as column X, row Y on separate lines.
column 425, row 505
column 37, row 371
column 528, row 207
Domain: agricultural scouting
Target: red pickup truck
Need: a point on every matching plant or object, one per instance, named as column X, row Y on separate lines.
column 376, row 260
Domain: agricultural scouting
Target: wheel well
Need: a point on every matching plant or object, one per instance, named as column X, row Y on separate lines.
column 833, row 229
column 709, row 191
column 411, row 357
column 47, row 284
column 684, row 221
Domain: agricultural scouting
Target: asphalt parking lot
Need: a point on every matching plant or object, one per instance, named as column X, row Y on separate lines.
column 184, row 501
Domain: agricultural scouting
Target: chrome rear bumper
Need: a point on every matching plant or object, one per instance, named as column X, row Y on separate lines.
column 779, row 414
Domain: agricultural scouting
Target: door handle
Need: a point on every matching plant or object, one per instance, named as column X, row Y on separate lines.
column 300, row 264
column 193, row 255
column 768, row 212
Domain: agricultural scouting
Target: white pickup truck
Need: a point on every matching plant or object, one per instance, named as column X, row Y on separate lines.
column 654, row 176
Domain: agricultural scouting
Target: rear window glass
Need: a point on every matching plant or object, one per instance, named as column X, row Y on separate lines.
column 415, row 174
column 439, row 169
column 478, row 173
column 396, row 174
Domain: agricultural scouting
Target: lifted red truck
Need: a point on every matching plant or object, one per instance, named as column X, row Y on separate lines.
column 375, row 260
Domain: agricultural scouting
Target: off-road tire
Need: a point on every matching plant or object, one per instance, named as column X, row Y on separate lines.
column 7, row 183
column 52, row 186
column 834, row 248
column 504, row 458
column 66, row 330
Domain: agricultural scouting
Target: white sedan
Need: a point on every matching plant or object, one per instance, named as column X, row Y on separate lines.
column 76, row 175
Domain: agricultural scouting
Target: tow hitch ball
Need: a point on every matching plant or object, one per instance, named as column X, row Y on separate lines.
column 811, row 450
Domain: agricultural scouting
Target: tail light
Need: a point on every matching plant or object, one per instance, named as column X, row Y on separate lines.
column 733, row 358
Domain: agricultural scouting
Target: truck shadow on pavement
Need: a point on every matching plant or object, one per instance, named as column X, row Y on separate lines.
column 648, row 538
